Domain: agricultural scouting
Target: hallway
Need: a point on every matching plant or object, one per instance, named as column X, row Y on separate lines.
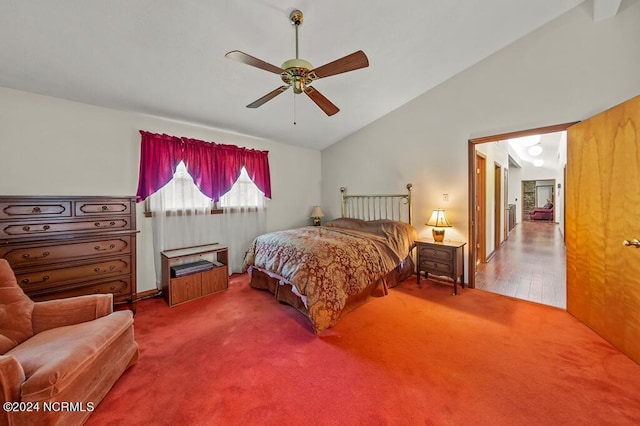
column 530, row 265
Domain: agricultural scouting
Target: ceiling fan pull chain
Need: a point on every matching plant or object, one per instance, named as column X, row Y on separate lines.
column 294, row 109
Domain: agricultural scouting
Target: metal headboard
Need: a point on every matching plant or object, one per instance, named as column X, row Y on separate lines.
column 374, row 207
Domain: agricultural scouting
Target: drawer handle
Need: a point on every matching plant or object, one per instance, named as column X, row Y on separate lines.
column 27, row 280
column 28, row 228
column 106, row 270
column 36, row 210
column 98, row 224
column 98, row 248
column 28, row 256
column 105, row 208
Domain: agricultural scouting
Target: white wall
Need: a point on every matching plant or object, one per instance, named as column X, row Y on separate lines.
column 50, row 146
column 568, row 70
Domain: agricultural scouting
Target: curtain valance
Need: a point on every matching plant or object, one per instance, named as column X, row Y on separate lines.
column 214, row 167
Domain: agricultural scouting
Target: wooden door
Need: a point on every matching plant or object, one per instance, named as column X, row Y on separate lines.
column 603, row 210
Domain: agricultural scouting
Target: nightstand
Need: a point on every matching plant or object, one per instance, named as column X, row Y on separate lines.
column 442, row 259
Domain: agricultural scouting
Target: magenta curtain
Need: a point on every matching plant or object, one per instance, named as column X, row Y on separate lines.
column 159, row 157
column 257, row 165
column 214, row 167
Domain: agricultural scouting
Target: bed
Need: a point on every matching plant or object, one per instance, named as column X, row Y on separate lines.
column 327, row 271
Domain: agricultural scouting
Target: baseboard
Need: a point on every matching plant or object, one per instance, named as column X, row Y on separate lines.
column 146, row 294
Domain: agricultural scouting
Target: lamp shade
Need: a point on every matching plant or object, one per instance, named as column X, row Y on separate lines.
column 438, row 219
column 317, row 212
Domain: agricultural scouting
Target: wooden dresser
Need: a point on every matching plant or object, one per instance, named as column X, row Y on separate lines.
column 69, row 246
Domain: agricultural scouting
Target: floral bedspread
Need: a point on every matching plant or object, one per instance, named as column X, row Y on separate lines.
column 328, row 264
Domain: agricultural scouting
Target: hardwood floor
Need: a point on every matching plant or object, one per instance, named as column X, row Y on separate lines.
column 530, row 265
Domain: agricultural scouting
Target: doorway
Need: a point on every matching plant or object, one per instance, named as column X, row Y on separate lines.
column 499, row 206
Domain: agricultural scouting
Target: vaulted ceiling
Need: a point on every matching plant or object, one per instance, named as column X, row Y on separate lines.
column 167, row 58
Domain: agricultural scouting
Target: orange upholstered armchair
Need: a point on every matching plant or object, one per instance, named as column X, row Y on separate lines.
column 543, row 213
column 59, row 351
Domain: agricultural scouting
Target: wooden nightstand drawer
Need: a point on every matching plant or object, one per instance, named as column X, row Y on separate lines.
column 436, row 253
column 435, row 267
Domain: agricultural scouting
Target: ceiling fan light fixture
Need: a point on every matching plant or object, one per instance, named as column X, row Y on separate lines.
column 298, row 85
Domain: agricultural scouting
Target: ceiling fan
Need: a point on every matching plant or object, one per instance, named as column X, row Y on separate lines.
column 299, row 74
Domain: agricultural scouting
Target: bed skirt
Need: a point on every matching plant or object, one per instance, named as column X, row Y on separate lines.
column 284, row 293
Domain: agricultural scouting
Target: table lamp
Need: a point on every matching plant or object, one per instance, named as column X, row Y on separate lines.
column 316, row 214
column 439, row 221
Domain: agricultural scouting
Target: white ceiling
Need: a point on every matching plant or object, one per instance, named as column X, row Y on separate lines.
column 551, row 144
column 166, row 58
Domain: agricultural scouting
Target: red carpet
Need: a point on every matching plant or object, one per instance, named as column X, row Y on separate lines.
column 417, row 356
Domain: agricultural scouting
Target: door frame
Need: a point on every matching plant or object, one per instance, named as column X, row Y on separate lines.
column 498, row 207
column 480, row 209
column 472, row 182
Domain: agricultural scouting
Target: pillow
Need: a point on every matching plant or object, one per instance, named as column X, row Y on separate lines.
column 383, row 227
column 15, row 310
column 347, row 223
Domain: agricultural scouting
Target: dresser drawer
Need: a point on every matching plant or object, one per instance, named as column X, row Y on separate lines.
column 436, row 253
column 41, row 278
column 59, row 251
column 95, row 208
column 45, row 228
column 119, row 287
column 34, row 209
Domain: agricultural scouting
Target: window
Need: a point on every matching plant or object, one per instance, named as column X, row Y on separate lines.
column 182, row 196
column 243, row 193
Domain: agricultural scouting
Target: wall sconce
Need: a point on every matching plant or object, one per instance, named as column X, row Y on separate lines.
column 317, row 214
column 439, row 221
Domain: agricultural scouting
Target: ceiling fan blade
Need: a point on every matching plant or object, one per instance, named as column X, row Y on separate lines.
column 324, row 103
column 351, row 62
column 267, row 97
column 239, row 56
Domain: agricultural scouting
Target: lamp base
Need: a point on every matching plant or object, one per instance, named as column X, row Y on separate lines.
column 438, row 235
column 317, row 221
